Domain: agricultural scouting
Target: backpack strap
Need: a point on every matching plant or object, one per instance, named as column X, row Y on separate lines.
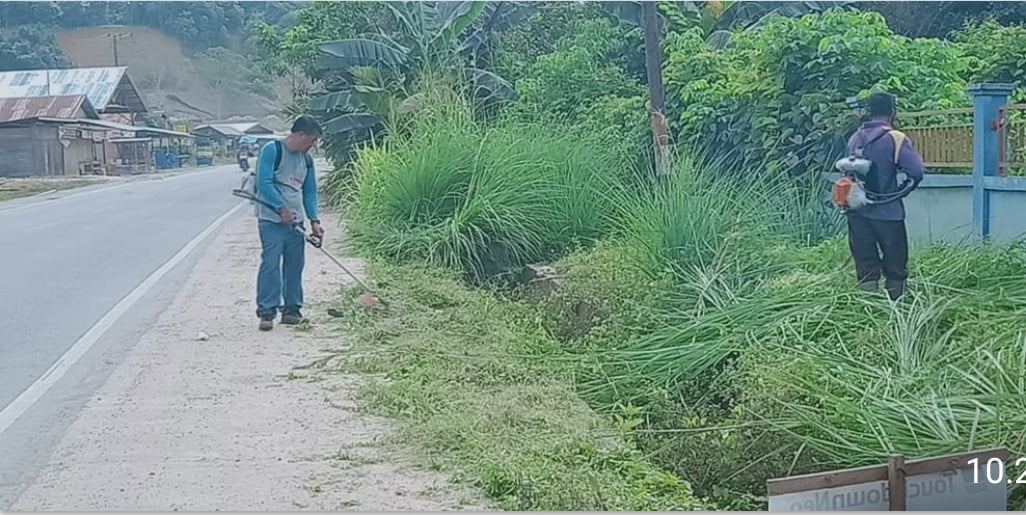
column 899, row 140
column 861, row 147
column 277, row 158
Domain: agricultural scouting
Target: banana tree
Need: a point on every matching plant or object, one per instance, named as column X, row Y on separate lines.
column 370, row 78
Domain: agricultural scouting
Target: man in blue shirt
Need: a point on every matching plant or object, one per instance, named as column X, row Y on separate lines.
column 880, row 228
column 285, row 179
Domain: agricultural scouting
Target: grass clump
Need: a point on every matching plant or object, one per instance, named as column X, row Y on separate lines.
column 483, row 200
column 489, row 396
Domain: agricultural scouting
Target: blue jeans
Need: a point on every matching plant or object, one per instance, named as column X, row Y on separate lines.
column 281, row 269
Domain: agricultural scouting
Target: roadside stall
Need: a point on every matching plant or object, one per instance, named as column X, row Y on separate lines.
column 133, row 155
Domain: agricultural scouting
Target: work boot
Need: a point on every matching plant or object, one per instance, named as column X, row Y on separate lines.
column 869, row 286
column 895, row 289
column 291, row 318
column 266, row 322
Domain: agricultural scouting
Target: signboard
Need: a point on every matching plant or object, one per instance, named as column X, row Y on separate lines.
column 935, row 484
column 181, row 127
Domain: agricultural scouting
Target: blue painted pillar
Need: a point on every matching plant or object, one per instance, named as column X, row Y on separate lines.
column 988, row 99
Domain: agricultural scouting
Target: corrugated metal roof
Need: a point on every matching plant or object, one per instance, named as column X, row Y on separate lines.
column 118, row 126
column 98, row 84
column 236, row 129
column 228, row 129
column 129, row 140
column 134, row 128
column 13, row 109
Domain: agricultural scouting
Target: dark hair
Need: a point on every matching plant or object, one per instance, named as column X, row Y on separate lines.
column 881, row 104
column 306, row 125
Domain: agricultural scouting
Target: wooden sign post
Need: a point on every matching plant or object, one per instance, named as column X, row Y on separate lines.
column 938, row 484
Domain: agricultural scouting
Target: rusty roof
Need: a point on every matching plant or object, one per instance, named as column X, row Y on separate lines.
column 14, row 109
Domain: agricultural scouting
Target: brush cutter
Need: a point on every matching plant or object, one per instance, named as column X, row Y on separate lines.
column 369, row 298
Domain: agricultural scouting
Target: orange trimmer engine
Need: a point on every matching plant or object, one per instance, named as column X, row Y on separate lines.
column 842, row 188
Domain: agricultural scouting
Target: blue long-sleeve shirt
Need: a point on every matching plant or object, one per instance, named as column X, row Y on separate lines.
column 292, row 184
column 881, row 153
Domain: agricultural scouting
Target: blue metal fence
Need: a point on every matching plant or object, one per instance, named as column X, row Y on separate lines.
column 984, row 206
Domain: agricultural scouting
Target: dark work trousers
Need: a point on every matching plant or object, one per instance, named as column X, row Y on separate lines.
column 868, row 239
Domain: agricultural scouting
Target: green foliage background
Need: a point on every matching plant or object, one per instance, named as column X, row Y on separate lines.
column 714, row 307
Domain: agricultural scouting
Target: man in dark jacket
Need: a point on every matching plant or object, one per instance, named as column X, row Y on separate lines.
column 880, row 228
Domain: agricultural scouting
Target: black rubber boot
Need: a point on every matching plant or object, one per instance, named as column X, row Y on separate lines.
column 895, row 289
column 869, row 286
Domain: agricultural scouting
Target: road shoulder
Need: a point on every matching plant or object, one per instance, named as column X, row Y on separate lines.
column 227, row 422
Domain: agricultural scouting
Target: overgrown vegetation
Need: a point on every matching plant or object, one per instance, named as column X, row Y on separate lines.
column 484, row 200
column 756, row 359
column 777, row 94
column 489, row 397
column 711, row 316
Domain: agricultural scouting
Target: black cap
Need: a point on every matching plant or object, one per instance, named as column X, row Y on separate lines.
column 882, row 104
column 307, row 125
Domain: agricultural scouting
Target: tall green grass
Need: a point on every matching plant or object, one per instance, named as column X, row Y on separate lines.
column 482, row 199
column 760, row 338
column 718, row 302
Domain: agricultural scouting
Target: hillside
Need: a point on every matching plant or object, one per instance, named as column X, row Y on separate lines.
column 192, row 59
column 164, row 73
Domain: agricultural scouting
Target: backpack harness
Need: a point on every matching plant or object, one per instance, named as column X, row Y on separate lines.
column 249, row 181
column 849, row 192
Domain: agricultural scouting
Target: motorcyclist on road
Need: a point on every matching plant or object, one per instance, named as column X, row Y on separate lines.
column 243, row 156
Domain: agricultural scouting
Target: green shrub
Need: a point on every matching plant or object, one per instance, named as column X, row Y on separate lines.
column 994, row 52
column 541, row 33
column 587, row 64
column 777, row 94
column 484, row 200
column 589, row 81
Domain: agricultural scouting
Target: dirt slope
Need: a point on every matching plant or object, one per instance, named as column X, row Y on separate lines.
column 158, row 67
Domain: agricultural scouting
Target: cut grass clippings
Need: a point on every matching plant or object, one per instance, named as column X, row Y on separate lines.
column 489, row 396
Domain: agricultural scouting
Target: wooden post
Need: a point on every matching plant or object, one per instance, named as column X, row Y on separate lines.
column 896, row 482
column 654, row 66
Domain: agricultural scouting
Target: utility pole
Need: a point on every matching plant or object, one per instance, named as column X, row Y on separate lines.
column 654, row 66
column 115, row 38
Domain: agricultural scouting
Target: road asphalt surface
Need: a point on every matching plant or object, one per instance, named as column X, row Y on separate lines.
column 112, row 401
column 66, row 260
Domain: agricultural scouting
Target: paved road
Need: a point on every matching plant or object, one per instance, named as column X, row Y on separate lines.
column 64, row 263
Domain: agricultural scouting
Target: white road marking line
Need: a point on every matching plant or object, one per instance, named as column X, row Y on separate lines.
column 35, row 391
